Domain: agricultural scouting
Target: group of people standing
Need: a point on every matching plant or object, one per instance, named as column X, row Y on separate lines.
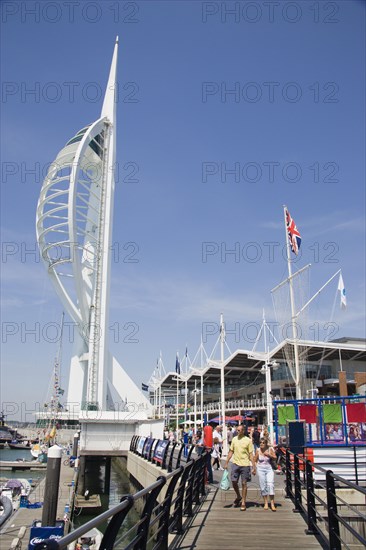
column 251, row 453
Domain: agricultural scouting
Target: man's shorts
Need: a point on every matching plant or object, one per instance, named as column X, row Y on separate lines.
column 240, row 471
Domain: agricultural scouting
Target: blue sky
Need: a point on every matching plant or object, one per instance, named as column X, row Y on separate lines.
column 275, row 96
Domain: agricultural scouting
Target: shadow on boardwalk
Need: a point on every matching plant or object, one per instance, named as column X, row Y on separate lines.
column 218, row 525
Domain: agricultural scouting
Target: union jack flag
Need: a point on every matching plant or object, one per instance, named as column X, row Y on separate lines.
column 293, row 234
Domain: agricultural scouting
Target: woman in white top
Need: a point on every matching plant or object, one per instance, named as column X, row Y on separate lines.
column 265, row 472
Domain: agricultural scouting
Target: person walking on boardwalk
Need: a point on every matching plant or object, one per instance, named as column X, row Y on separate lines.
column 265, row 472
column 185, row 443
column 208, row 443
column 256, row 437
column 217, row 433
column 198, row 442
column 241, row 449
column 230, row 436
column 216, row 454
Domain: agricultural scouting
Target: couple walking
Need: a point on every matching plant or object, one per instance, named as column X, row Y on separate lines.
column 246, row 462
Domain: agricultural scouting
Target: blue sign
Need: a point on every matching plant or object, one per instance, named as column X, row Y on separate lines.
column 148, row 446
column 39, row 534
column 140, row 445
column 160, row 449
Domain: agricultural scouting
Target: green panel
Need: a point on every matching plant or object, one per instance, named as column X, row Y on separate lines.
column 285, row 413
column 332, row 412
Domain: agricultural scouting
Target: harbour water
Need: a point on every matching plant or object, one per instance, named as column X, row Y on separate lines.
column 14, row 454
column 119, row 485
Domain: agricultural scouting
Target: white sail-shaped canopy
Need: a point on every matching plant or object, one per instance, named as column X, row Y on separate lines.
column 74, row 233
column 68, row 217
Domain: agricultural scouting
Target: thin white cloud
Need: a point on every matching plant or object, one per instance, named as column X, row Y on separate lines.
column 181, row 299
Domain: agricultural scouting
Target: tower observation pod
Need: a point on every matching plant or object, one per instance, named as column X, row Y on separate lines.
column 74, row 234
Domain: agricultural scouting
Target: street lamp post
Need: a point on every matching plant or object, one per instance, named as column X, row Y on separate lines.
column 266, row 370
column 222, row 384
column 177, row 405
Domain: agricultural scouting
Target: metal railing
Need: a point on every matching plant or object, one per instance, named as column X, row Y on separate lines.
column 337, row 523
column 185, row 487
column 233, row 405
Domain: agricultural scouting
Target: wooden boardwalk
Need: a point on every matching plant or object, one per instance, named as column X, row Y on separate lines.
column 220, row 526
column 25, row 516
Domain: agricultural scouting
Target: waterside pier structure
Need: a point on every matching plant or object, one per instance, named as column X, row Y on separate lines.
column 178, row 510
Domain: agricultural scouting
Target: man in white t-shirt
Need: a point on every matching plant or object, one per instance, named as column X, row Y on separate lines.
column 218, row 433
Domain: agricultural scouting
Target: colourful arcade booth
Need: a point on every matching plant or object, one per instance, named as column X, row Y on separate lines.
column 330, row 431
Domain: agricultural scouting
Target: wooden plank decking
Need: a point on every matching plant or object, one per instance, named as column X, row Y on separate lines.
column 219, row 526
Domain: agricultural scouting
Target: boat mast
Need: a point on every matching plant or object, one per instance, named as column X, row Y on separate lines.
column 56, row 377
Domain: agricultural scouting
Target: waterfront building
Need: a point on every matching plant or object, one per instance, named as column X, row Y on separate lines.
column 336, row 368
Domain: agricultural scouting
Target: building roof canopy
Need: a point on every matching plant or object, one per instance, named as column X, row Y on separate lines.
column 243, row 361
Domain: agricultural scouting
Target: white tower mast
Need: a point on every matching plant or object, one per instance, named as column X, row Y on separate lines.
column 74, row 233
column 99, row 310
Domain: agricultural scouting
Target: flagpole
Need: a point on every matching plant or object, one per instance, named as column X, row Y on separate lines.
column 293, row 316
column 159, row 394
column 177, row 424
column 223, row 412
column 186, row 389
column 185, row 401
column 155, row 390
column 195, row 404
column 267, row 372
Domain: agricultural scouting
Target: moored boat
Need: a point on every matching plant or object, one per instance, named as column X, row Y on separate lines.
column 19, row 445
column 13, row 492
column 91, row 540
column 6, row 508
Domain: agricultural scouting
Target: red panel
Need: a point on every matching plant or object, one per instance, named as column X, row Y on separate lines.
column 356, row 412
column 308, row 413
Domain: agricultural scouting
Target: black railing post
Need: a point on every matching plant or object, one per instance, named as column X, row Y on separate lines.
column 199, row 473
column 179, row 456
column 162, row 538
column 190, row 452
column 163, row 462
column 297, row 484
column 288, row 475
column 177, row 519
column 143, row 529
column 143, row 447
column 188, row 502
column 170, row 465
column 150, row 451
column 114, row 525
column 310, row 497
column 333, row 523
column 355, row 463
column 204, row 474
